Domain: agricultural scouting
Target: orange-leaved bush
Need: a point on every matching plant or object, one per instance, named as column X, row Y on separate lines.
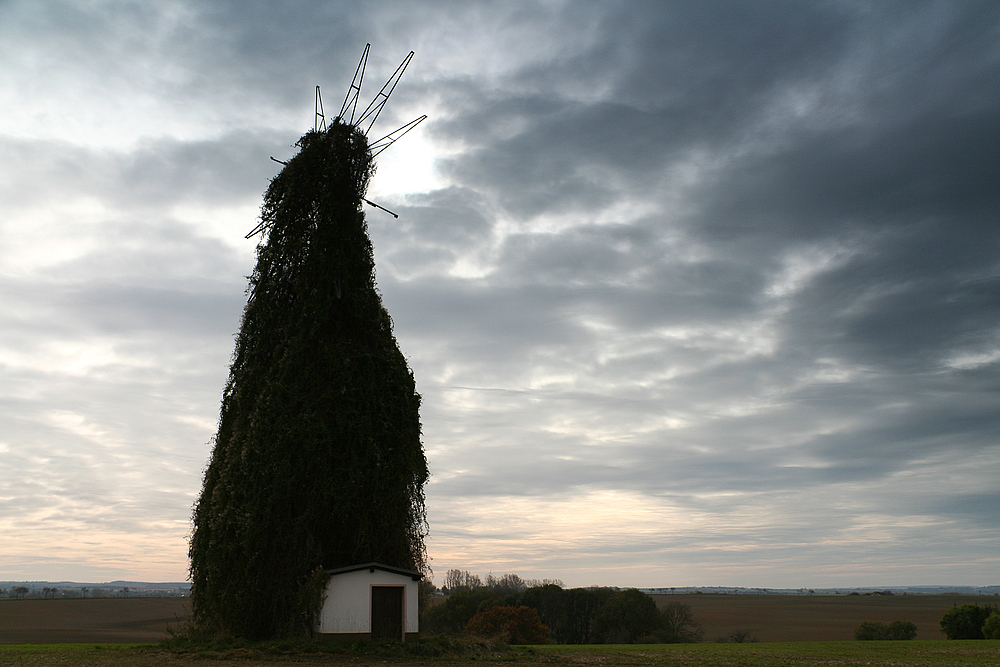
column 511, row 625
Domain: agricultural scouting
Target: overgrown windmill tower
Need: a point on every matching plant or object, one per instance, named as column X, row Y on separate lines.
column 317, row 462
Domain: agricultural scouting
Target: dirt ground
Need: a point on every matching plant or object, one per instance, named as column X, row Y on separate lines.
column 768, row 618
column 848, row 654
column 794, row 618
column 90, row 620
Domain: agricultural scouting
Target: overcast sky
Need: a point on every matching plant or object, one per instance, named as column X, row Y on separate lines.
column 695, row 292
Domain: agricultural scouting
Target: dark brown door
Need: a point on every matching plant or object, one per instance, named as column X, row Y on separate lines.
column 387, row 613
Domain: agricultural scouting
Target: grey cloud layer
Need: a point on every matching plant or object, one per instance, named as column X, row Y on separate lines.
column 728, row 268
column 885, row 182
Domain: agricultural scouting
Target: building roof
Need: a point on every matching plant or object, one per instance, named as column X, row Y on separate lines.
column 371, row 567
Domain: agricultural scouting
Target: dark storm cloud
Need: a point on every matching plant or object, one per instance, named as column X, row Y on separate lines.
column 721, row 69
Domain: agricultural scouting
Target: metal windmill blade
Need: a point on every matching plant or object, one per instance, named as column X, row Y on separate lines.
column 369, row 116
column 355, row 90
column 375, row 108
column 319, row 122
column 391, row 138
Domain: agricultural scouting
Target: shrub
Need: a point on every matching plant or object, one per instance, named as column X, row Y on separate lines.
column 965, row 621
column 902, row 630
column 897, row 631
column 511, row 625
column 870, row 631
column 445, row 646
column 738, row 637
column 991, row 628
column 454, row 614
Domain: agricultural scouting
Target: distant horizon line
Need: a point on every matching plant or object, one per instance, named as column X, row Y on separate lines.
column 187, row 584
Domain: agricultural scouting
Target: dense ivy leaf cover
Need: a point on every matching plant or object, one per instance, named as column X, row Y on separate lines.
column 317, row 462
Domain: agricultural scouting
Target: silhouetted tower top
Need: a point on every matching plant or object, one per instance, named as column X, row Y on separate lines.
column 367, row 119
column 362, row 123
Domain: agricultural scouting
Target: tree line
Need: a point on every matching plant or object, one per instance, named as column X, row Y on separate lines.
column 967, row 621
column 22, row 592
column 568, row 615
column 517, row 610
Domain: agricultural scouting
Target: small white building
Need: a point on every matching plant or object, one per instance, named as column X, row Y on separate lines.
column 370, row 602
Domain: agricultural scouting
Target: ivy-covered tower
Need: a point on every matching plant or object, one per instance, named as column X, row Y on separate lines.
column 318, row 461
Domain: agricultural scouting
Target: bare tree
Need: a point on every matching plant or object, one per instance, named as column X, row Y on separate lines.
column 461, row 580
column 680, row 623
column 507, row 583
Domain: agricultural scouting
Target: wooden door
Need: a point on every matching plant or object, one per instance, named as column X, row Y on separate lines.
column 387, row 613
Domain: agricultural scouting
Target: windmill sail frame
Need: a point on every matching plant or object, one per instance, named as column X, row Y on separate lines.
column 369, row 116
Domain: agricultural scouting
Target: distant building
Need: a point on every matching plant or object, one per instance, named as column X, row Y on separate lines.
column 370, row 602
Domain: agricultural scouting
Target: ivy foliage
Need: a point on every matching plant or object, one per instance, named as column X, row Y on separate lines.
column 317, row 462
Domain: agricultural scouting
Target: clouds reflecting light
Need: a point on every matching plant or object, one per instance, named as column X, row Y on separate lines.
column 696, row 293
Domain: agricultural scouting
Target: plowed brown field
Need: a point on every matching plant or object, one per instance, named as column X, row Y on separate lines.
column 769, row 618
column 795, row 618
column 90, row 620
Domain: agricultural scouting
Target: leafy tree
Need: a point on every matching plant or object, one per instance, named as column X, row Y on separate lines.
column 627, row 617
column 454, row 614
column 573, row 616
column 569, row 613
column 991, row 628
column 511, row 625
column 965, row 621
column 317, row 462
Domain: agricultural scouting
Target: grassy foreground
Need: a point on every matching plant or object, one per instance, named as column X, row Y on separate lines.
column 897, row 654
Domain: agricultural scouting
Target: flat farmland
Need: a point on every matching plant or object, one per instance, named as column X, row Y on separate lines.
column 797, row 618
column 939, row 653
column 90, row 620
column 768, row 618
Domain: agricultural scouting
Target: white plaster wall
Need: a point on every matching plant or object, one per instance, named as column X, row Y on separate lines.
column 347, row 607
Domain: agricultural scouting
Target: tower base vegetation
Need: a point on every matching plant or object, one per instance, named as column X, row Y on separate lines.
column 317, row 463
